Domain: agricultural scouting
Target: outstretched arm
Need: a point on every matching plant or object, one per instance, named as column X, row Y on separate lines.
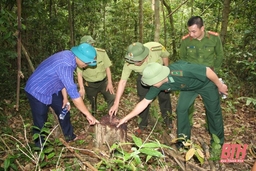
column 137, row 110
column 78, row 102
column 214, row 78
column 120, row 90
column 110, row 87
column 80, row 84
column 65, row 98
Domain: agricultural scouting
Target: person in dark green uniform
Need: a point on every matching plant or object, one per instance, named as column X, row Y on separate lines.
column 97, row 79
column 137, row 57
column 192, row 78
column 200, row 47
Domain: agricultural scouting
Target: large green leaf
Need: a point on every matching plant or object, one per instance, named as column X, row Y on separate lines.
column 151, row 152
column 154, row 145
column 137, row 141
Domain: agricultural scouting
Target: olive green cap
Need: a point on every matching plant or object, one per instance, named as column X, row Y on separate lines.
column 154, row 73
column 87, row 39
column 136, row 52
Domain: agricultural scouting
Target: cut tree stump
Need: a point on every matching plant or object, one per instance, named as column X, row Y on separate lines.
column 107, row 133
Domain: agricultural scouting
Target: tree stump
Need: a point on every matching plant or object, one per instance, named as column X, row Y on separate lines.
column 107, row 133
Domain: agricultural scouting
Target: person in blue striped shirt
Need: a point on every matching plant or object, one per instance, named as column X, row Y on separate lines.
column 52, row 82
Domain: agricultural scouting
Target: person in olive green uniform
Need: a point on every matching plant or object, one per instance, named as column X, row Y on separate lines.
column 97, row 79
column 187, row 77
column 200, row 47
column 137, row 57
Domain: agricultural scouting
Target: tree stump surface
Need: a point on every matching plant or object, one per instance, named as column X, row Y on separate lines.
column 107, row 133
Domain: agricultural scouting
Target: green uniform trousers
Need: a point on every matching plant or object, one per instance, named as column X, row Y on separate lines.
column 211, row 100
column 164, row 100
column 93, row 88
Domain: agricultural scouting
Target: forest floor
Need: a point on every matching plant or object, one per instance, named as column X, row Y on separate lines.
column 239, row 127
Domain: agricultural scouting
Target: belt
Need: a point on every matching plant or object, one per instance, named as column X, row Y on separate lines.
column 98, row 81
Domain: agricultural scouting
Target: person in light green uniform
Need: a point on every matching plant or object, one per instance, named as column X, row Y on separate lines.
column 200, row 47
column 137, row 57
column 192, row 78
column 97, row 79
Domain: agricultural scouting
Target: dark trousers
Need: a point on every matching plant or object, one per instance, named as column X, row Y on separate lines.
column 40, row 114
column 211, row 100
column 93, row 88
column 164, row 100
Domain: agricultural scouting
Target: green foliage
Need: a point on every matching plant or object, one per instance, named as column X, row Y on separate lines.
column 135, row 158
column 191, row 149
column 9, row 163
column 215, row 148
column 40, row 157
column 7, row 53
column 249, row 101
column 114, row 25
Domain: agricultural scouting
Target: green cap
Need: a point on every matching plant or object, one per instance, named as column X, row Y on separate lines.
column 136, row 52
column 87, row 39
column 154, row 73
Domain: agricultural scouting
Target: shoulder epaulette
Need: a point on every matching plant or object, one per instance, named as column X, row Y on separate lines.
column 101, row 50
column 186, row 36
column 213, row 33
column 155, row 48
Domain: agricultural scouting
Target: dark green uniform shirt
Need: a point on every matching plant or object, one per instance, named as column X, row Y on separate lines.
column 183, row 76
column 207, row 51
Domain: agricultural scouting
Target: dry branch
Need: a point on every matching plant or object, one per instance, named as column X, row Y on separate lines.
column 181, row 158
column 77, row 155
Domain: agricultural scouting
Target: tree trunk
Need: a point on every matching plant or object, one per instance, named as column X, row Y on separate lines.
column 141, row 21
column 172, row 32
column 157, row 22
column 18, row 53
column 107, row 134
column 192, row 7
column 71, row 26
column 225, row 14
column 164, row 20
column 104, row 23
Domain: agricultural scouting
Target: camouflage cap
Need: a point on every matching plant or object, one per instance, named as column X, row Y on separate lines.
column 87, row 39
column 136, row 52
column 154, row 73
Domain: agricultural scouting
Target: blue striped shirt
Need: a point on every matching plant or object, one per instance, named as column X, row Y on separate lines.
column 52, row 75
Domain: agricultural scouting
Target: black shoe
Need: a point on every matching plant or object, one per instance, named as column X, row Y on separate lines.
column 179, row 145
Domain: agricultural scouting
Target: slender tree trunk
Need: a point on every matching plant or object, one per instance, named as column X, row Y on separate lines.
column 141, row 21
column 164, row 20
column 71, row 26
column 18, row 53
column 225, row 14
column 172, row 31
column 218, row 22
column 192, row 7
column 104, row 22
column 157, row 22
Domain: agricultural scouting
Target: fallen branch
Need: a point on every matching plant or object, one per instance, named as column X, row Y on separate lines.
column 168, row 141
column 207, row 153
column 77, row 155
column 181, row 158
